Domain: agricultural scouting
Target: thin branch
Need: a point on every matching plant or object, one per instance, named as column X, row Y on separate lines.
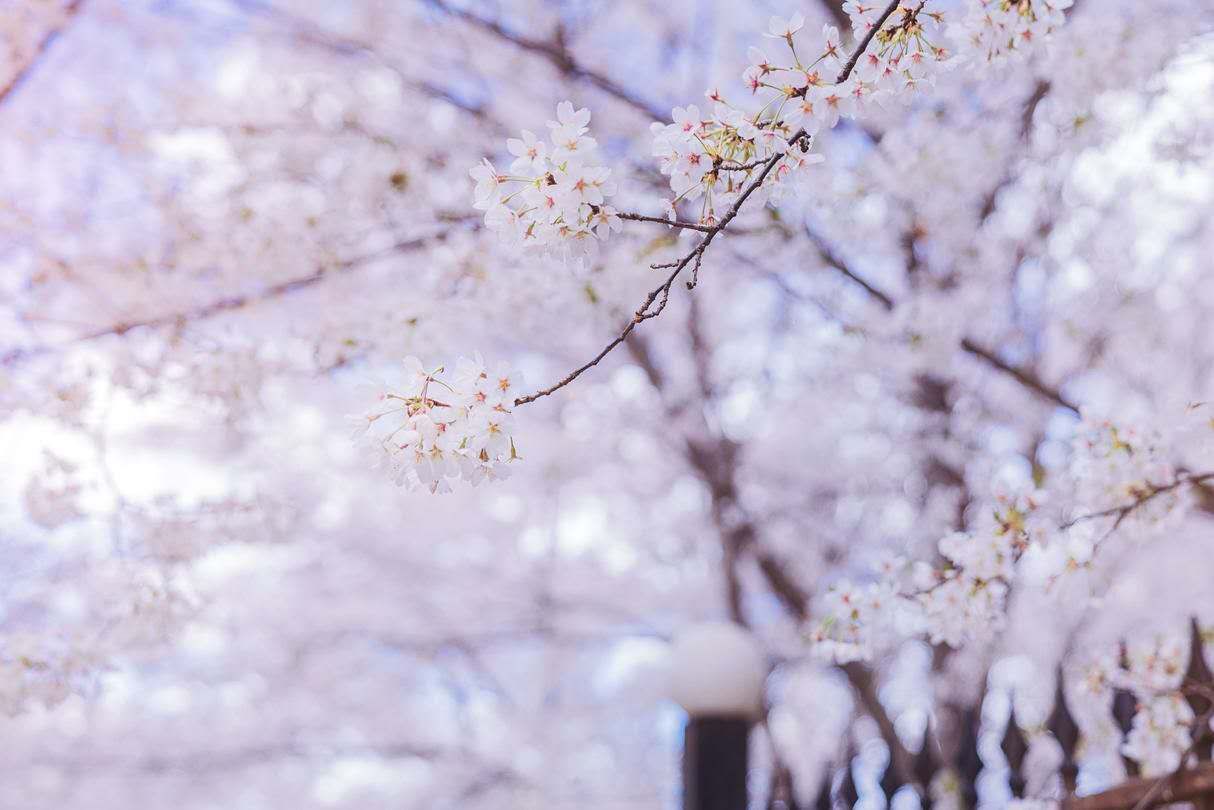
column 1023, row 376
column 1124, row 511
column 40, row 49
column 730, row 166
column 834, row 260
column 674, row 223
column 656, row 301
column 868, row 37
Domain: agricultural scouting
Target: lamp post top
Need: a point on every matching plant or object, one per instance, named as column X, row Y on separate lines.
column 717, row 670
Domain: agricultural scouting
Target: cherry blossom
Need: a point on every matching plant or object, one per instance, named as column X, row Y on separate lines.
column 431, row 430
column 550, row 201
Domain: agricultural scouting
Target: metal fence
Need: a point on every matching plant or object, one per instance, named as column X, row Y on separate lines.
column 1192, row 783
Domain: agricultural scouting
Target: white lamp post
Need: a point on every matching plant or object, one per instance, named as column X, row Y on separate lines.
column 717, row 675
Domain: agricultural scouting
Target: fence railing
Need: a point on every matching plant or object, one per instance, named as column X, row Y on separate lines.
column 1192, row 782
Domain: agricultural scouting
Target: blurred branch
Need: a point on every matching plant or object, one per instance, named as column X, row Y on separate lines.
column 1040, row 91
column 555, row 52
column 832, row 259
column 1021, row 375
column 989, row 201
column 233, row 302
column 1024, row 376
column 864, row 681
column 40, row 49
column 307, row 31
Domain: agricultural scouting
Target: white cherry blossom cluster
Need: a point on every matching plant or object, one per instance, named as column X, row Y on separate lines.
column 1160, row 734
column 993, row 30
column 38, row 670
column 1154, row 671
column 556, row 196
column 909, row 50
column 962, row 608
column 1115, row 463
column 1123, row 479
column 52, row 497
column 711, row 157
column 435, row 428
column 555, row 193
column 855, row 620
column 1119, row 481
column 964, row 599
column 1152, row 668
column 968, row 596
column 1154, row 664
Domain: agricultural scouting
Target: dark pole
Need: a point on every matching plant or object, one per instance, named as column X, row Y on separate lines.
column 715, row 762
column 718, row 672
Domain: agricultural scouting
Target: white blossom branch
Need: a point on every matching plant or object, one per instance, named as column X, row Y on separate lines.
column 655, row 302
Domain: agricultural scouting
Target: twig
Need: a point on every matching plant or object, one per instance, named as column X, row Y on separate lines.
column 674, row 223
column 729, row 166
column 1123, row 511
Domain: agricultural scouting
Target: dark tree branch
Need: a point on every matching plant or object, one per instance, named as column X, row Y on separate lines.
column 1023, row 376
